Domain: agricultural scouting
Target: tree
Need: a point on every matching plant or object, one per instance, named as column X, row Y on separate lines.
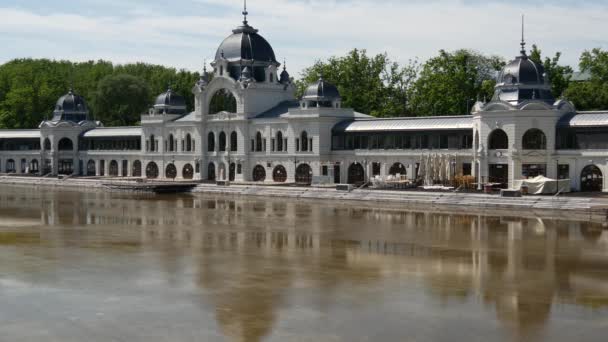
column 121, row 99
column 558, row 75
column 450, row 83
column 592, row 94
column 368, row 84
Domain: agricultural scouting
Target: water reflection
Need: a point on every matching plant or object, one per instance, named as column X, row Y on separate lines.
column 265, row 264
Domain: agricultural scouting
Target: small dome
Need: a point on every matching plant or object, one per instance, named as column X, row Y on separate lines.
column 71, row 107
column 522, row 70
column 170, row 102
column 523, row 80
column 245, row 44
column 321, row 91
column 285, row 78
column 71, row 102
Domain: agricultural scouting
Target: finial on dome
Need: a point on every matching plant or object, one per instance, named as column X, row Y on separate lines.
column 284, row 64
column 523, row 40
column 245, row 13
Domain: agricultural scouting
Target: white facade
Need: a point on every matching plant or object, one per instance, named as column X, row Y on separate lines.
column 247, row 126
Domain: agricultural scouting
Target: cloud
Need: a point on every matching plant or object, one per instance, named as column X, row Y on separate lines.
column 302, row 31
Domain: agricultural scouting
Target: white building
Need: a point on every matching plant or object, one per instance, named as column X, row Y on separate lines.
column 248, row 126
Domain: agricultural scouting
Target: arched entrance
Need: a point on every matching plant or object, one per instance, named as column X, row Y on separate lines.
column 91, row 168
column 34, row 166
column 396, row 169
column 152, row 170
column 136, row 172
column 66, row 144
column 171, row 171
column 304, row 174
column 10, row 166
column 113, row 168
column 279, row 174
column 592, row 179
column 211, row 172
column 188, row 172
column 356, row 174
column 259, row 173
column 222, row 101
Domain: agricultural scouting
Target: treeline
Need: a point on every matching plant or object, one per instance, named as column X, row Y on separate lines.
column 116, row 94
column 450, row 83
column 447, row 84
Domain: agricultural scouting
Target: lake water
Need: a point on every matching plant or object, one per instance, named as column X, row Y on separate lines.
column 95, row 266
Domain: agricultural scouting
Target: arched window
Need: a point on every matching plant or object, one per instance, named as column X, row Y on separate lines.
column 234, row 142
column 534, row 139
column 232, row 172
column 498, row 140
column 304, row 174
column 259, row 173
column 188, row 143
column 171, row 143
column 280, row 141
column 279, row 174
column 592, row 179
column 47, row 144
column 356, row 174
column 258, row 142
column 152, row 143
column 152, row 170
column 222, row 101
column 222, row 142
column 66, row 144
column 188, row 172
column 304, row 141
column 136, row 169
column 397, row 168
column 211, row 142
column 171, row 171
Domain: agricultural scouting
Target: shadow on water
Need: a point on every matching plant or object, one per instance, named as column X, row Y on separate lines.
column 284, row 269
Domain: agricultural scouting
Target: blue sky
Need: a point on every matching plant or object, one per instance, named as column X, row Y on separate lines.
column 181, row 33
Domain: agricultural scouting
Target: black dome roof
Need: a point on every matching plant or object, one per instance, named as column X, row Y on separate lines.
column 169, row 98
column 246, row 44
column 71, row 102
column 321, row 91
column 523, row 70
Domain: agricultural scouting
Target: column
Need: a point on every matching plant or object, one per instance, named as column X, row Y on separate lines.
column 97, row 168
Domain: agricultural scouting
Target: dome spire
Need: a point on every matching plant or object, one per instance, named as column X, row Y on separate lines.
column 245, row 13
column 523, row 40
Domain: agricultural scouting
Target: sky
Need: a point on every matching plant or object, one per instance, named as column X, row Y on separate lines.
column 183, row 33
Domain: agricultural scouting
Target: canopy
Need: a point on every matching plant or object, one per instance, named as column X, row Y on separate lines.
column 543, row 185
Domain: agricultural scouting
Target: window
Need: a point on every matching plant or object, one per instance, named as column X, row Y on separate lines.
column 222, row 142
column 297, row 145
column 563, row 171
column 233, row 142
column 211, row 142
column 188, row 143
column 171, row 144
column 533, row 170
column 279, row 141
column 498, row 140
column 304, row 141
column 534, row 139
column 258, row 142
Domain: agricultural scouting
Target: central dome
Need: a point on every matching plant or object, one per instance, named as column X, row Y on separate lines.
column 246, row 44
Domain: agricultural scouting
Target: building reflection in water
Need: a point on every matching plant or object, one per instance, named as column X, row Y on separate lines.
column 250, row 256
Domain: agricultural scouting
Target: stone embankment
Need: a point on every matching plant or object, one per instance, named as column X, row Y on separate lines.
column 558, row 207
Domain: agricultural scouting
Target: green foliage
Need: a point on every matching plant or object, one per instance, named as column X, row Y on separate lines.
column 559, row 75
column 592, row 94
column 120, row 99
column 29, row 88
column 450, row 83
column 368, row 84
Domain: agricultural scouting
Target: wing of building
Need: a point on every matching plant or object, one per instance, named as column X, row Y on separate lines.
column 248, row 126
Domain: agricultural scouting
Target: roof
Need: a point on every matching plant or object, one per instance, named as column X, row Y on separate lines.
column 406, row 124
column 277, row 111
column 187, row 118
column 580, row 76
column 321, row 91
column 20, row 133
column 245, row 44
column 114, row 132
column 585, row 119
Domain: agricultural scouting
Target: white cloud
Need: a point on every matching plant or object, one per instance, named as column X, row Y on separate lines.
column 303, row 31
